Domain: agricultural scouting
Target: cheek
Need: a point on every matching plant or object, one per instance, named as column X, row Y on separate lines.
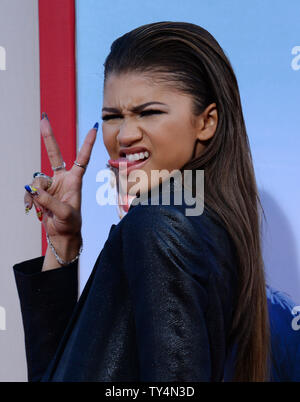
column 174, row 142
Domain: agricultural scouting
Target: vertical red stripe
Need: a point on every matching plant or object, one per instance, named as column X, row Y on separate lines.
column 58, row 77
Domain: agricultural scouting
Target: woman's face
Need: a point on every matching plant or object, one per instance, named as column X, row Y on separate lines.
column 142, row 116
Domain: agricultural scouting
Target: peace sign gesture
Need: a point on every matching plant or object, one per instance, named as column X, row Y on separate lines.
column 58, row 199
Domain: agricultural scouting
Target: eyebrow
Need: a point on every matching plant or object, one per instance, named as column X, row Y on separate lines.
column 135, row 109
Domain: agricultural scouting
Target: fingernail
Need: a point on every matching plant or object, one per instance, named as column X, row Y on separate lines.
column 44, row 116
column 96, row 126
column 39, row 213
column 27, row 209
column 31, row 190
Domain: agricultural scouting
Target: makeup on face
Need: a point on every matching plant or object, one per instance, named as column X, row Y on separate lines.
column 146, row 126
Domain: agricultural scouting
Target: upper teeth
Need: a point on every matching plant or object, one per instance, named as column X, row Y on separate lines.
column 137, row 156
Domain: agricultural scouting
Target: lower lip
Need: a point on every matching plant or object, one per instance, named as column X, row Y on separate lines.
column 134, row 165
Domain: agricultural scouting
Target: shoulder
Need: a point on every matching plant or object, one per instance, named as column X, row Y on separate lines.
column 154, row 217
column 159, row 220
column 163, row 218
column 200, row 237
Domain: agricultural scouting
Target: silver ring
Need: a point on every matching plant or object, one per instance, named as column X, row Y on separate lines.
column 78, row 164
column 55, row 169
column 40, row 174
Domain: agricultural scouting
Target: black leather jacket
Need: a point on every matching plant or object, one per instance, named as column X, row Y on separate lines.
column 157, row 306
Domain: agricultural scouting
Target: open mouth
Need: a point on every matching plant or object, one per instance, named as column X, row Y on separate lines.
column 135, row 157
column 130, row 161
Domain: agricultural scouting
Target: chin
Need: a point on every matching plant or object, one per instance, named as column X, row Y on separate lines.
column 136, row 190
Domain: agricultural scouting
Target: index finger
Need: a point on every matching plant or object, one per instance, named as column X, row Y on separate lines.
column 84, row 154
column 53, row 151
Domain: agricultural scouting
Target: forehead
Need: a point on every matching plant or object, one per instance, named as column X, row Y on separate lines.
column 130, row 89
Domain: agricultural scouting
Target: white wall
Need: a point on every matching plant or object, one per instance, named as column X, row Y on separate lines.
column 19, row 159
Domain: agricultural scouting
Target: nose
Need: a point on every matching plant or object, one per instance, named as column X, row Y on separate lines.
column 128, row 133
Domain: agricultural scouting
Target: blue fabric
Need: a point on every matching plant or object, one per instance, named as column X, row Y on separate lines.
column 285, row 341
column 285, row 338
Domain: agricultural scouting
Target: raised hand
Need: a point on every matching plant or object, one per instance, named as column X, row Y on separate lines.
column 59, row 200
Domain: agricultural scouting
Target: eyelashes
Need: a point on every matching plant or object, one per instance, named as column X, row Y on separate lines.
column 144, row 113
column 110, row 117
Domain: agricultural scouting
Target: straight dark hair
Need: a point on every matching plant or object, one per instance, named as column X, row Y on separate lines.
column 189, row 58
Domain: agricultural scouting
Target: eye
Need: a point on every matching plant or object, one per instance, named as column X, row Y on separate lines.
column 151, row 111
column 111, row 116
column 144, row 113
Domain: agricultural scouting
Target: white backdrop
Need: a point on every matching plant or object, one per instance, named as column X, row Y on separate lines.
column 20, row 235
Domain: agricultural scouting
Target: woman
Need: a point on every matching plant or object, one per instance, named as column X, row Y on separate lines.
column 169, row 294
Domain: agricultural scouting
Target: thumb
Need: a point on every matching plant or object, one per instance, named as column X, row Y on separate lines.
column 58, row 208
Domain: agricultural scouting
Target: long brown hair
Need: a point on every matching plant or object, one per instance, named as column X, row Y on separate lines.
column 187, row 56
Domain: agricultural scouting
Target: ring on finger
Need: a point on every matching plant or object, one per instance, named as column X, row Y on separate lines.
column 40, row 174
column 49, row 179
column 80, row 165
column 56, row 168
column 49, row 183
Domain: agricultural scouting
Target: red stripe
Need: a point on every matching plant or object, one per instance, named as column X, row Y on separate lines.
column 58, row 78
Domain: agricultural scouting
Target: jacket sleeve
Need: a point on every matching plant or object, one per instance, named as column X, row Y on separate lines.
column 170, row 273
column 47, row 301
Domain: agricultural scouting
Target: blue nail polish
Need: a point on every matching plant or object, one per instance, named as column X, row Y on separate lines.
column 44, row 116
column 96, row 126
column 31, row 190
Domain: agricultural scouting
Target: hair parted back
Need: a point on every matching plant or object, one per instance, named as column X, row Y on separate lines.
column 190, row 59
